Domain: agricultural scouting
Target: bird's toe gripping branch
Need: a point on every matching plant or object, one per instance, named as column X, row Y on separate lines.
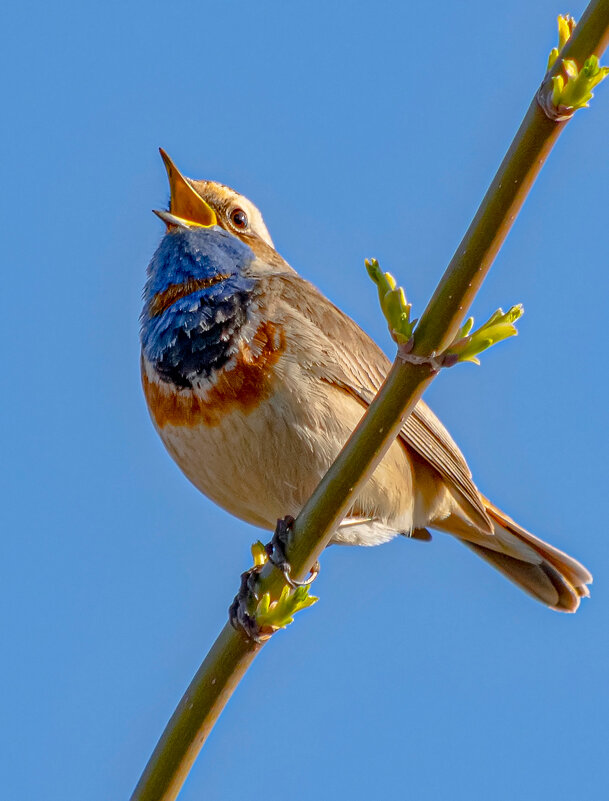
column 277, row 555
column 241, row 613
column 571, row 88
column 253, row 611
column 467, row 344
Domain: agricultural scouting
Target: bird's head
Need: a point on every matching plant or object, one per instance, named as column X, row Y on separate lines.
column 213, row 234
column 204, row 204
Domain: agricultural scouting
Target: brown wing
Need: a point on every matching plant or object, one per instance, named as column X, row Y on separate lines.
column 347, row 357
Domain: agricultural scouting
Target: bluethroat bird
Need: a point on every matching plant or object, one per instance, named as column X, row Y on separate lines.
column 254, row 381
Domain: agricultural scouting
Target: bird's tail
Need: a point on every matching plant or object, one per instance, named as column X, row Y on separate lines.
column 546, row 573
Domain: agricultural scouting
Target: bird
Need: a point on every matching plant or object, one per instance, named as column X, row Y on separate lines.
column 254, row 381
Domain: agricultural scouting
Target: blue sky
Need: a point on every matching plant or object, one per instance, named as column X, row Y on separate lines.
column 359, row 131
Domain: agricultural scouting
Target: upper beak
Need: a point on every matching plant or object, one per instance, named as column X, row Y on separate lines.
column 186, row 207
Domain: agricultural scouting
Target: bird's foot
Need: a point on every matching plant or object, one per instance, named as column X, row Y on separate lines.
column 239, row 613
column 254, row 612
column 277, row 555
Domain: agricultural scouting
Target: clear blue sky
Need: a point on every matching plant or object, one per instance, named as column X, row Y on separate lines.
column 360, row 130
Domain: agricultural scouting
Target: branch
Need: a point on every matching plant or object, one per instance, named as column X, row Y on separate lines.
column 232, row 653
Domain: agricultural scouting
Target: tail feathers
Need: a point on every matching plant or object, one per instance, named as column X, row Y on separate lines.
column 572, row 570
column 549, row 575
column 542, row 581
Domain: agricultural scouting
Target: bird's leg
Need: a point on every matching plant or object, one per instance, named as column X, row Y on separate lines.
column 238, row 614
column 277, row 555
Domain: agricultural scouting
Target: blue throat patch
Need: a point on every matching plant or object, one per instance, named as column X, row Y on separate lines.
column 196, row 300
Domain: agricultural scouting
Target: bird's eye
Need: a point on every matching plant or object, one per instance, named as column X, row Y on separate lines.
column 239, row 218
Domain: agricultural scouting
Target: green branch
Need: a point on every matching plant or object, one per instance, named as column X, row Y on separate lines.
column 439, row 327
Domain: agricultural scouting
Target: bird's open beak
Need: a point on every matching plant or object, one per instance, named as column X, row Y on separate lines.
column 187, row 209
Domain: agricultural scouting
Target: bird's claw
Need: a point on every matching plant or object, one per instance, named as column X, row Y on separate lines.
column 277, row 555
column 238, row 614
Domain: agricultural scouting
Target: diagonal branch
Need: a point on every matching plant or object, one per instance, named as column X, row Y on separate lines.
column 232, row 653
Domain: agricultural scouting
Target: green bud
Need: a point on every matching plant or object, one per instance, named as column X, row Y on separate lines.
column 280, row 613
column 499, row 326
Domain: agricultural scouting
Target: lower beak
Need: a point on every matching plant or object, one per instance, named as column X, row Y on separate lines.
column 171, row 221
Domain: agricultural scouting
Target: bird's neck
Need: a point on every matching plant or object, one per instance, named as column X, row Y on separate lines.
column 197, row 307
